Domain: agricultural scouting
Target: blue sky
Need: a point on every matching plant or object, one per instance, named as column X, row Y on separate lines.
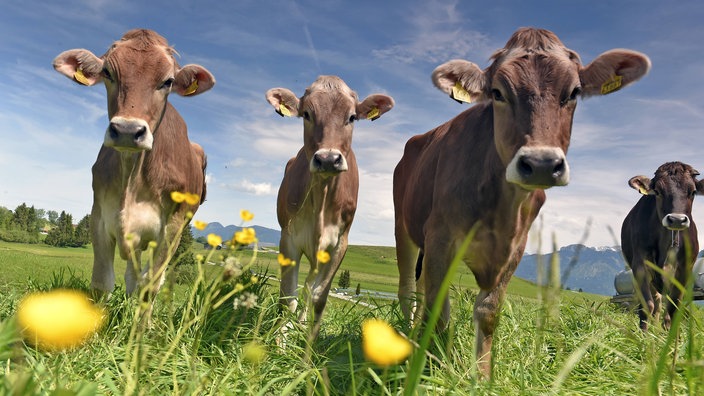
column 51, row 128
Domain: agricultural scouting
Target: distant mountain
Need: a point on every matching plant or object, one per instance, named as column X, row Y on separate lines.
column 265, row 235
column 591, row 269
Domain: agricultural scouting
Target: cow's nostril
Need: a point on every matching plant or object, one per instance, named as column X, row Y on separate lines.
column 559, row 167
column 524, row 167
column 114, row 133
column 141, row 131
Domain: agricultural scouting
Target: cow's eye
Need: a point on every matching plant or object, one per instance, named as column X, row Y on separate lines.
column 573, row 96
column 167, row 84
column 497, row 95
column 105, row 73
column 306, row 115
column 352, row 119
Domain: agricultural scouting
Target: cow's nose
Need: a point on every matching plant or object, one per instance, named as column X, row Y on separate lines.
column 538, row 167
column 127, row 130
column 328, row 161
column 676, row 221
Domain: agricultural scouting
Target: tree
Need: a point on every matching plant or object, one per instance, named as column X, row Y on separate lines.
column 52, row 215
column 81, row 234
column 359, row 289
column 184, row 262
column 344, row 281
column 63, row 234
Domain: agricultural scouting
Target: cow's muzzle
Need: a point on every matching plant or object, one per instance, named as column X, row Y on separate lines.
column 328, row 161
column 676, row 221
column 128, row 134
column 538, row 167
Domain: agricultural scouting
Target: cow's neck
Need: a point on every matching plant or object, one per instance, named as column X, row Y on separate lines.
column 133, row 179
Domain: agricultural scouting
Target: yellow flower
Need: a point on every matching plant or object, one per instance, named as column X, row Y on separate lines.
column 214, row 240
column 239, row 287
column 152, row 244
column 199, row 225
column 246, row 215
column 254, row 352
column 322, row 256
column 382, row 345
column 177, row 196
column 284, row 261
column 254, row 279
column 58, row 319
column 246, row 236
column 192, row 199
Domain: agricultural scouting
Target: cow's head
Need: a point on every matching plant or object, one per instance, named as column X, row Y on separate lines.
column 674, row 187
column 139, row 72
column 533, row 84
column 329, row 109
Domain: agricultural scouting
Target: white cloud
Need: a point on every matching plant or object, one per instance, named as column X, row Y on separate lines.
column 256, row 188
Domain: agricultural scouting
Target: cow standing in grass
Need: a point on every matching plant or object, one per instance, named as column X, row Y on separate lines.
column 489, row 166
column 145, row 156
column 660, row 230
column 318, row 195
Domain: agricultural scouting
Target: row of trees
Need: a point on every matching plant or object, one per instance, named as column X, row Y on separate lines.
column 25, row 224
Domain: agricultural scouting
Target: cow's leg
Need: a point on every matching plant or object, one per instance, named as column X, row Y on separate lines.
column 671, row 305
column 103, row 277
column 646, row 307
column 486, row 317
column 132, row 273
column 288, row 291
column 437, row 257
column 320, row 287
column 407, row 259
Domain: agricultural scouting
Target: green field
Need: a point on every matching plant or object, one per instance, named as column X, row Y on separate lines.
column 547, row 341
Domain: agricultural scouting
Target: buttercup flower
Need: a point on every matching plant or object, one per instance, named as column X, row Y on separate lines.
column 192, row 199
column 284, row 261
column 322, row 256
column 382, row 345
column 177, row 196
column 58, row 319
column 246, row 215
column 199, row 225
column 246, row 236
column 214, row 240
column 254, row 352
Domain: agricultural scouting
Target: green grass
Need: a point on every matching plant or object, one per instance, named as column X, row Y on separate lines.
column 560, row 343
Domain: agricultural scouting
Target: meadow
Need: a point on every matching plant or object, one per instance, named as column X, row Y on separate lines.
column 203, row 340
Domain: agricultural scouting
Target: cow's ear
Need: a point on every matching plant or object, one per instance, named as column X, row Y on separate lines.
column 79, row 65
column 641, row 184
column 700, row 187
column 462, row 80
column 373, row 106
column 612, row 71
column 284, row 101
column 192, row 80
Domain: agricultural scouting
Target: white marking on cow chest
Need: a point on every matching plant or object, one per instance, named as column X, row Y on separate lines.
column 142, row 220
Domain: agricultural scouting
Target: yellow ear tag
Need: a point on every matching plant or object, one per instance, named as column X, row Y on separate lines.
column 460, row 94
column 613, row 84
column 373, row 114
column 283, row 110
column 80, row 77
column 643, row 191
column 191, row 88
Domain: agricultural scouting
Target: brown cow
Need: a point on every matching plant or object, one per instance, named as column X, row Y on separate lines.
column 145, row 155
column 318, row 194
column 489, row 165
column 660, row 229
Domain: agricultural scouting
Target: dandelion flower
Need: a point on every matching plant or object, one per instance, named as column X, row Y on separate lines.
column 199, row 225
column 254, row 352
column 322, row 256
column 58, row 319
column 214, row 240
column 192, row 199
column 382, row 345
column 284, row 261
column 177, row 196
column 246, row 236
column 246, row 215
